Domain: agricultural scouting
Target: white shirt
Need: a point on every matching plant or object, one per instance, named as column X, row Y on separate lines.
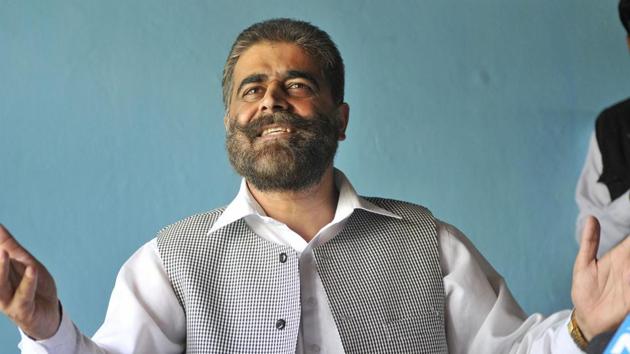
column 144, row 315
column 593, row 198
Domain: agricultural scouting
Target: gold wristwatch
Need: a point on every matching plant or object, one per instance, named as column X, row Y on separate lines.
column 576, row 333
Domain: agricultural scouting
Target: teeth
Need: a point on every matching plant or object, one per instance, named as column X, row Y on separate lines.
column 275, row 130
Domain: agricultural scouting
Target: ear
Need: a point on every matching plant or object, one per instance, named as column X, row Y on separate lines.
column 628, row 40
column 226, row 118
column 343, row 112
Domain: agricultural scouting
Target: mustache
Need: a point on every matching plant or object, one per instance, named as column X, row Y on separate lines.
column 254, row 128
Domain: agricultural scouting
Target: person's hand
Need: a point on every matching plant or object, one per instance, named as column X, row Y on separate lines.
column 28, row 295
column 601, row 288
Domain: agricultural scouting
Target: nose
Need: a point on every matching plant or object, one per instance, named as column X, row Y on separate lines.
column 274, row 100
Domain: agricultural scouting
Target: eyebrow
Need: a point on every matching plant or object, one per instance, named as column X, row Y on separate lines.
column 251, row 79
column 291, row 74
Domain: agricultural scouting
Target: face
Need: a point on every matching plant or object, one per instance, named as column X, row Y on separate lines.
column 282, row 124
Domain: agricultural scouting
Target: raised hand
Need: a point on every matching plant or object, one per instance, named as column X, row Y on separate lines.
column 28, row 295
column 601, row 288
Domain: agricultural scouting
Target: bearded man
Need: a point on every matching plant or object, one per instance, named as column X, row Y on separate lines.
column 298, row 261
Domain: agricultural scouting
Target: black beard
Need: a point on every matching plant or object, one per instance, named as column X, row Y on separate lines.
column 292, row 164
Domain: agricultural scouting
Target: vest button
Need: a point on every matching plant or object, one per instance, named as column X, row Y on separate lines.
column 280, row 324
column 283, row 257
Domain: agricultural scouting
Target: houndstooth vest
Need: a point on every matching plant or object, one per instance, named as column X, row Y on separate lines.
column 241, row 293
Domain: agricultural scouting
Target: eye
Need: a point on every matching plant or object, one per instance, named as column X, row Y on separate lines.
column 253, row 93
column 299, row 89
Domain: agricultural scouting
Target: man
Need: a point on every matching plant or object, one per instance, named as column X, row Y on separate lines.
column 298, row 262
column 602, row 189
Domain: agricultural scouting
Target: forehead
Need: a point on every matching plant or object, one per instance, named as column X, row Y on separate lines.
column 274, row 59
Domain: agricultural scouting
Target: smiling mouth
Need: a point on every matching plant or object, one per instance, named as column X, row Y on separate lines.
column 273, row 131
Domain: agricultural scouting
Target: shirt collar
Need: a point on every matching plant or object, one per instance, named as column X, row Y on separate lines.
column 245, row 205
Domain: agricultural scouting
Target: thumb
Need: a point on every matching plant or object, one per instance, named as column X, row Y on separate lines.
column 589, row 243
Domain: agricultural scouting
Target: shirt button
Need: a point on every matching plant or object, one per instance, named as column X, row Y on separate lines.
column 314, row 348
column 283, row 257
column 311, row 301
column 280, row 324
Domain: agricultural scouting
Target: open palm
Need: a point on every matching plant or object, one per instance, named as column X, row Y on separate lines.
column 601, row 288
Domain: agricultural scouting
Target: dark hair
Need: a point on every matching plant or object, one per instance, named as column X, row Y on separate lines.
column 313, row 40
column 624, row 14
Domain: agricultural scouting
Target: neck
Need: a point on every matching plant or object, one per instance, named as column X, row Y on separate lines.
column 305, row 211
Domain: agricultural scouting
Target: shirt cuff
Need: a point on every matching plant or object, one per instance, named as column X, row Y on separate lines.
column 61, row 342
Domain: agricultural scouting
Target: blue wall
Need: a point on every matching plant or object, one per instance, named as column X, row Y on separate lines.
column 111, row 124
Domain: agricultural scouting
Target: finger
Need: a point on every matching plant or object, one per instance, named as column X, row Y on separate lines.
column 13, row 247
column 6, row 290
column 5, row 235
column 589, row 243
column 16, row 272
column 24, row 296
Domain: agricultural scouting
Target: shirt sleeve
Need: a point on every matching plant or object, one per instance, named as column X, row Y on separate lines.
column 481, row 314
column 593, row 198
column 144, row 315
